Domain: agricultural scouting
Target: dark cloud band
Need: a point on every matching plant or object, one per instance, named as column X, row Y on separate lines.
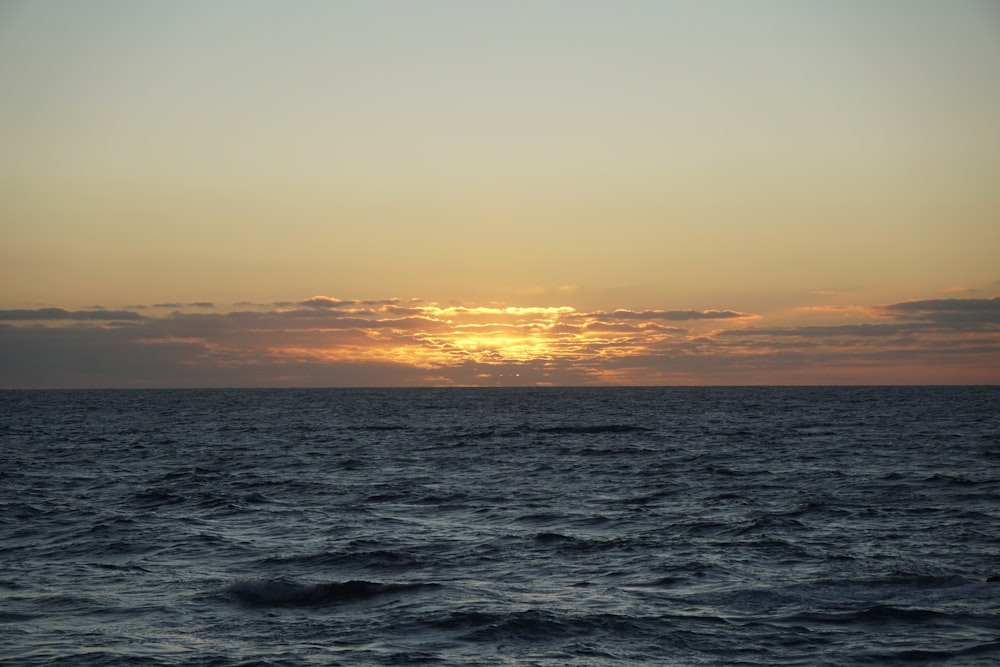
column 48, row 314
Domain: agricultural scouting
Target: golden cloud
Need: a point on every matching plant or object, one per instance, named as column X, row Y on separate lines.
column 330, row 341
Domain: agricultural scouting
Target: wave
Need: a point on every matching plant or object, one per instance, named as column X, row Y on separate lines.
column 542, row 626
column 370, row 559
column 990, row 649
column 596, row 428
column 876, row 614
column 280, row 593
column 575, row 527
column 525, row 429
column 14, row 617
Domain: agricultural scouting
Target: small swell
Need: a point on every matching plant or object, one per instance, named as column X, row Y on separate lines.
column 13, row 617
column 373, row 559
column 885, row 613
column 876, row 615
column 279, row 593
column 597, row 428
column 534, row 625
column 530, row 625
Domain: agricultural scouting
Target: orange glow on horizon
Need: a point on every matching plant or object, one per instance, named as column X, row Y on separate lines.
column 320, row 339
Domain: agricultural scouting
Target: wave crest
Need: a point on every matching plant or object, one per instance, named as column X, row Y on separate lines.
column 280, row 593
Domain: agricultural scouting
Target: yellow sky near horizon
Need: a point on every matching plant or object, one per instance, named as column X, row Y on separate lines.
column 805, row 164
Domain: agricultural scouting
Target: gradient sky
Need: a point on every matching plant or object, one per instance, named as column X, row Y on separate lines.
column 466, row 192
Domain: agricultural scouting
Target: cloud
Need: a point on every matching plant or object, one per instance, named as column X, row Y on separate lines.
column 958, row 289
column 324, row 302
column 48, row 314
column 95, row 357
column 679, row 315
column 195, row 304
column 325, row 341
column 950, row 312
column 333, row 302
column 812, row 331
column 643, row 327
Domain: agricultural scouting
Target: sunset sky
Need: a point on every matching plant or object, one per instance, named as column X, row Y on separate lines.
column 462, row 192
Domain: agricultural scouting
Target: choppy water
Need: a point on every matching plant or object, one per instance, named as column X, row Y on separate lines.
column 681, row 526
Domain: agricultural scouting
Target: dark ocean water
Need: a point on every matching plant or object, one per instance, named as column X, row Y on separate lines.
column 667, row 526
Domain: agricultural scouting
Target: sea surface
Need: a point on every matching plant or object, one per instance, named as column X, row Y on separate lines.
column 549, row 526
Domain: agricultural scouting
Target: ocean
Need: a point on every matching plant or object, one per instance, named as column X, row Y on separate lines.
column 509, row 526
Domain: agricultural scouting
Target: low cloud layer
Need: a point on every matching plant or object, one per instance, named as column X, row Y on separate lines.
column 49, row 314
column 327, row 341
column 972, row 313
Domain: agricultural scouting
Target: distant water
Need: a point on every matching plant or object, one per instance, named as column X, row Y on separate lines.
column 680, row 526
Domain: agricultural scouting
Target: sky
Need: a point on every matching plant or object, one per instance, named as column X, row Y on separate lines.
column 446, row 192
